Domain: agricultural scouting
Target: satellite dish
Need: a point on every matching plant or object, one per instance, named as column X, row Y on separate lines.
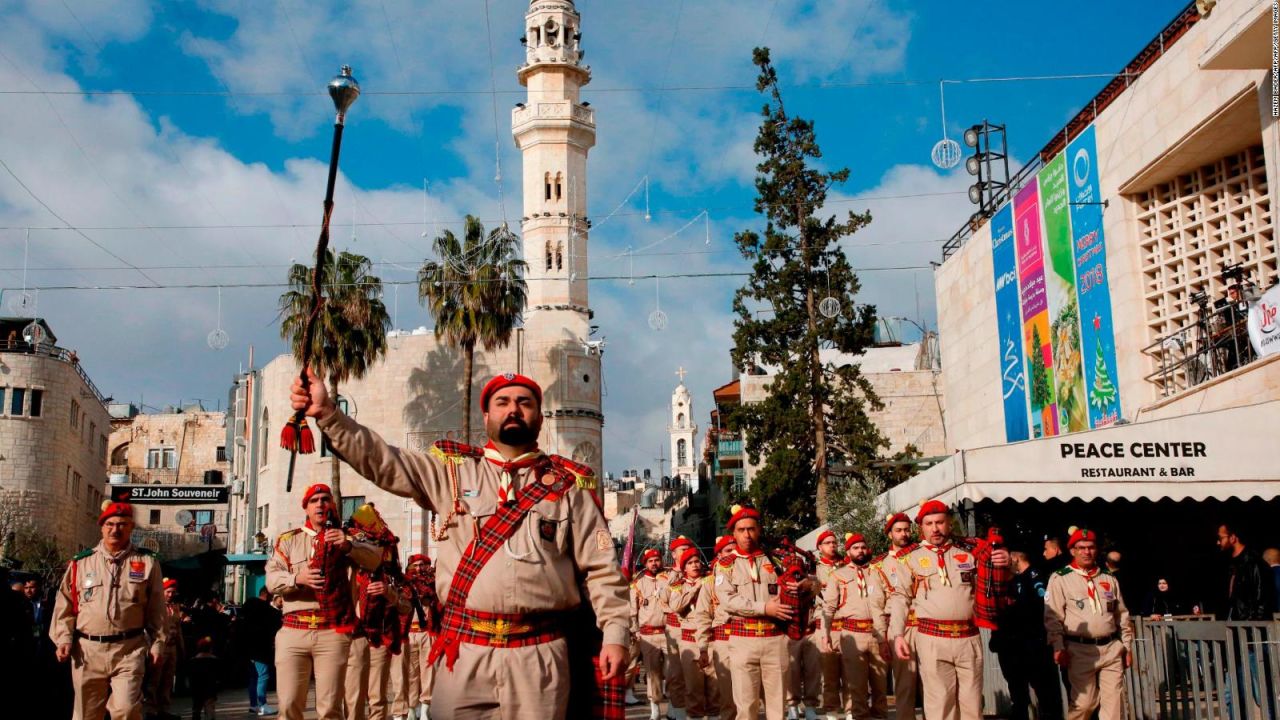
column 184, row 517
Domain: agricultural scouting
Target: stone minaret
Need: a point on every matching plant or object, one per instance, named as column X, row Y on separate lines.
column 554, row 130
column 684, row 432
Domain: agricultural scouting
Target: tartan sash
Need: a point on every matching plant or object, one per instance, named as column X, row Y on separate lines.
column 499, row 528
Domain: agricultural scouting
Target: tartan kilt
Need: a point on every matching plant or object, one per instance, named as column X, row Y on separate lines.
column 590, row 696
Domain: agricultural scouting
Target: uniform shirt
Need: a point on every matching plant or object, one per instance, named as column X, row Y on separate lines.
column 750, row 583
column 702, row 615
column 293, row 553
column 1069, row 609
column 925, row 591
column 682, row 597
column 821, row 576
column 101, row 594
column 173, row 621
column 537, row 569
column 855, row 593
column 646, row 599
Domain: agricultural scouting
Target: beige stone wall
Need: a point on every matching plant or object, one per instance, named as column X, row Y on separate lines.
column 53, row 469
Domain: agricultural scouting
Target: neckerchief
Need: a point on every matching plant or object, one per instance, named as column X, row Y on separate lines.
column 862, row 579
column 1094, row 601
column 941, row 551
column 509, row 467
column 752, row 570
column 114, row 564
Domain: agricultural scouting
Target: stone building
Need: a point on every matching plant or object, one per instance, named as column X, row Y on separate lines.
column 53, row 439
column 683, row 432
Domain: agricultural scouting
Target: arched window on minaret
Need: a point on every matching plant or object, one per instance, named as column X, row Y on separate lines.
column 682, row 452
column 546, row 179
column 548, row 254
column 560, row 256
column 559, row 187
column 680, row 420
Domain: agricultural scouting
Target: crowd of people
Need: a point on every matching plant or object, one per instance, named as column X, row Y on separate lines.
column 528, row 614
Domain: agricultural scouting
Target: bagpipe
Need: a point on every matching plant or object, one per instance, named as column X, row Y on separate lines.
column 424, row 599
column 796, row 567
column 377, row 618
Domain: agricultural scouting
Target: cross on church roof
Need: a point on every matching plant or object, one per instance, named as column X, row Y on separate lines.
column 681, row 372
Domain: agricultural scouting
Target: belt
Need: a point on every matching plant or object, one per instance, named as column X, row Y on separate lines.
column 911, row 619
column 851, row 624
column 686, row 635
column 117, row 637
column 509, row 629
column 307, row 620
column 673, row 620
column 719, row 632
column 752, row 628
column 652, row 629
column 1082, row 640
column 953, row 629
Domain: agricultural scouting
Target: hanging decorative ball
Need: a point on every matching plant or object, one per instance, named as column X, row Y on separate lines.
column 34, row 334
column 829, row 307
column 658, row 320
column 946, row 153
column 218, row 339
column 23, row 305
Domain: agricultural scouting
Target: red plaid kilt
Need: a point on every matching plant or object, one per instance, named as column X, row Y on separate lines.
column 505, row 630
column 752, row 627
column 673, row 620
column 686, row 635
column 609, row 696
column 953, row 629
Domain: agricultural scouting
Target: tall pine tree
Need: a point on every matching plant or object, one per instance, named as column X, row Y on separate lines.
column 816, row 411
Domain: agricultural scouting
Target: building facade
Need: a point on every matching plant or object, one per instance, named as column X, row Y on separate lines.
column 683, row 433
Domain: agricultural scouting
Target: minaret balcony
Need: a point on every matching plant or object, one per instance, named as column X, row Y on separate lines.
column 552, row 113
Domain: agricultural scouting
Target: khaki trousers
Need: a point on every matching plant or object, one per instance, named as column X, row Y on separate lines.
column 832, row 697
column 520, row 683
column 368, row 670
column 118, row 667
column 951, row 676
column 1096, row 675
column 865, row 673
column 724, row 678
column 298, row 653
column 904, row 681
column 701, row 694
column 804, row 680
column 759, row 667
column 671, row 671
column 411, row 676
column 652, row 650
column 158, row 695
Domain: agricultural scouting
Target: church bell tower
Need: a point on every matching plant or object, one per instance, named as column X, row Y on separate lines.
column 684, row 432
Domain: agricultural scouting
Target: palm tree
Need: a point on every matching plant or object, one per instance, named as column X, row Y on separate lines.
column 475, row 290
column 351, row 330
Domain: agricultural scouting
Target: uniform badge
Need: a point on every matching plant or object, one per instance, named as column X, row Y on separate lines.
column 966, row 577
column 773, row 588
column 508, row 376
column 547, row 530
column 1080, row 604
column 924, row 562
column 137, row 570
column 603, row 541
column 768, row 567
column 719, row 578
column 470, row 492
column 962, row 558
column 1106, row 586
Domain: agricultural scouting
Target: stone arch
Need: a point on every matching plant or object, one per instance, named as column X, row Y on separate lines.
column 120, row 455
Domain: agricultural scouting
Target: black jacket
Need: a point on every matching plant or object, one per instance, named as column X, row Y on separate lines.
column 1251, row 588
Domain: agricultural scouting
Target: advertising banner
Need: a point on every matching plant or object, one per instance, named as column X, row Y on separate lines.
column 1097, row 334
column 1060, row 290
column 1263, row 323
column 1035, row 311
column 1013, row 379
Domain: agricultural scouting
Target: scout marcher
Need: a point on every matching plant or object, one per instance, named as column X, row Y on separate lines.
column 673, row 674
column 310, row 569
column 700, row 690
column 379, row 607
column 411, row 675
column 748, row 591
column 804, row 678
column 895, row 576
column 502, row 644
column 109, row 609
column 650, row 623
column 1088, row 626
column 711, row 633
column 159, row 689
column 853, row 612
column 828, row 562
column 953, row 587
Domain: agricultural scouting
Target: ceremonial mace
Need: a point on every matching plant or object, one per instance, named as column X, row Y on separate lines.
column 296, row 435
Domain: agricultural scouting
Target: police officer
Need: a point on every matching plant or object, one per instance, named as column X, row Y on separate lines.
column 1019, row 642
column 853, row 616
column 1088, row 626
column 109, row 609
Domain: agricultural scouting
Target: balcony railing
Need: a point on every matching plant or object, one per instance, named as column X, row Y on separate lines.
column 57, row 353
column 730, row 448
column 1216, row 344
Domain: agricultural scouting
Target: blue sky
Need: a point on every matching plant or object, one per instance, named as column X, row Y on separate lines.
column 672, row 91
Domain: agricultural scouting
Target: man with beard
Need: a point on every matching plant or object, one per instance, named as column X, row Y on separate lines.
column 649, row 620
column 895, row 576
column 411, row 675
column 711, row 633
column 517, row 529
column 828, row 563
column 853, row 613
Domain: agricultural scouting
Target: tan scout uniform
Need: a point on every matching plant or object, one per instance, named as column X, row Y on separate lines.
column 896, row 576
column 650, row 622
column 1094, row 629
column 947, row 644
column 672, row 673
column 832, row 697
column 853, row 610
column 105, row 609
column 299, row 651
column 534, row 574
column 411, row 676
column 700, row 690
column 758, row 658
column 369, row 669
column 159, row 690
column 804, row 680
column 710, row 618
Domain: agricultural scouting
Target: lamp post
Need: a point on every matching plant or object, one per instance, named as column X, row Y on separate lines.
column 296, row 436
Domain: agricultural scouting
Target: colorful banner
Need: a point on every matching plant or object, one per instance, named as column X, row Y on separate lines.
column 1035, row 311
column 1097, row 334
column 1060, row 291
column 1013, row 378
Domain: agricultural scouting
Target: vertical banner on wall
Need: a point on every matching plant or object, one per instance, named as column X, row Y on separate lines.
column 1013, row 379
column 1035, row 311
column 1060, row 291
column 1097, row 334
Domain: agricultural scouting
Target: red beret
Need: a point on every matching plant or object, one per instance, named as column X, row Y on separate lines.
column 741, row 512
column 170, row 583
column 505, row 380
column 684, row 557
column 115, row 509
column 894, row 519
column 678, row 543
column 317, row 488
column 932, row 507
column 650, row 553
column 822, row 536
column 419, row 556
column 1079, row 535
column 851, row 539
column 722, row 542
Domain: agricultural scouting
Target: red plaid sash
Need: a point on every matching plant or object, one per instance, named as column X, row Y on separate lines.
column 652, row 629
column 503, row 629
column 497, row 530
column 857, row 625
column 752, row 627
column 673, row 620
column 686, row 634
column 719, row 632
column 952, row 629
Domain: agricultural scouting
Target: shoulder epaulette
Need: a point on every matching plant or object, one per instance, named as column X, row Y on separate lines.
column 287, row 534
column 583, row 476
column 455, row 452
column 879, row 558
column 83, row 554
column 1064, row 570
column 706, row 580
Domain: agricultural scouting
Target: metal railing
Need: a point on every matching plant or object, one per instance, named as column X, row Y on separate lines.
column 1217, row 343
column 53, row 351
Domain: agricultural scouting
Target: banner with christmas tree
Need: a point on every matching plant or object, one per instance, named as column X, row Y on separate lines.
column 1097, row 335
column 1013, row 378
column 1060, row 292
column 1035, row 311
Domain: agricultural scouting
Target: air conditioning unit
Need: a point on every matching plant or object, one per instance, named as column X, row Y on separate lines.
column 118, row 478
column 237, row 487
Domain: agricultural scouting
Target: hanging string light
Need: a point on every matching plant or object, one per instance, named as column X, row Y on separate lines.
column 218, row 339
column 24, row 305
column 946, row 152
column 657, row 318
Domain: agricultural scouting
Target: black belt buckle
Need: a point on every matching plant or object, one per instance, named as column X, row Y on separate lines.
column 1081, row 640
column 117, row 637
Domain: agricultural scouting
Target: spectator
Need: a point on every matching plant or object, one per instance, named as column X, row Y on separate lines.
column 1113, row 562
column 203, row 671
column 1020, row 644
column 1250, row 596
column 257, row 625
column 1271, row 556
column 1162, row 603
column 1054, row 558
